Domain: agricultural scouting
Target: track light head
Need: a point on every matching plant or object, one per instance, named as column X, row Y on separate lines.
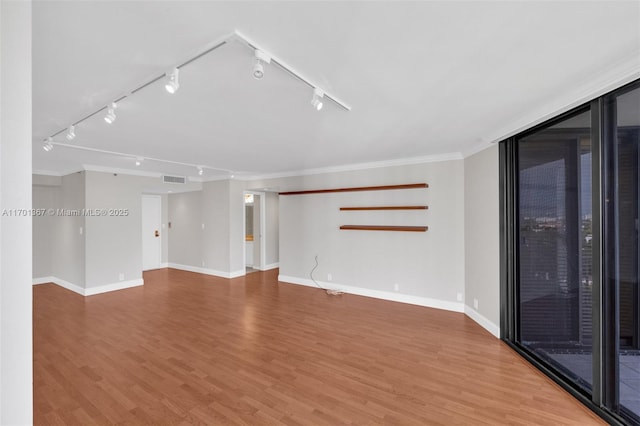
column 71, row 134
column 258, row 70
column 48, row 146
column 316, row 100
column 261, row 59
column 200, row 171
column 111, row 114
column 172, row 84
column 139, row 160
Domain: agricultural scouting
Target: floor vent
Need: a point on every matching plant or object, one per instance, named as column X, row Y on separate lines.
column 174, row 179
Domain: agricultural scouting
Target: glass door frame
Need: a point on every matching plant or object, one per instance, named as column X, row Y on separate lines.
column 604, row 397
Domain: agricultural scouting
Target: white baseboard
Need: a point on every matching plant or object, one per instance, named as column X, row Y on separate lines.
column 378, row 294
column 160, row 266
column 91, row 290
column 207, row 271
column 271, row 266
column 62, row 283
column 113, row 287
column 43, row 280
column 483, row 321
column 239, row 273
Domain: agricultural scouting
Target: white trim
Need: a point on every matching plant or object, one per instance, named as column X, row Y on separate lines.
column 483, row 321
column 56, row 173
column 207, row 271
column 477, row 148
column 451, row 156
column 44, row 280
column 216, row 178
column 238, row 273
column 619, row 74
column 102, row 169
column 163, row 265
column 378, row 294
column 68, row 286
column 258, row 264
column 90, row 291
column 271, row 266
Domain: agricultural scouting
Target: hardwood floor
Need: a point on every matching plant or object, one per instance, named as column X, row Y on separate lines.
column 193, row 349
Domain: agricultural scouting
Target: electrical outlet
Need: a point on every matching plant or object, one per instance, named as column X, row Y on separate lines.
column 121, row 276
column 81, row 230
column 396, row 287
column 203, row 226
column 329, row 277
column 475, row 303
column 459, row 297
column 203, row 263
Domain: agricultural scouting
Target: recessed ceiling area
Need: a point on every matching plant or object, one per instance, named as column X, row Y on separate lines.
column 424, row 79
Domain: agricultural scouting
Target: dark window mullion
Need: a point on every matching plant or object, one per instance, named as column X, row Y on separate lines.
column 598, row 252
column 610, row 273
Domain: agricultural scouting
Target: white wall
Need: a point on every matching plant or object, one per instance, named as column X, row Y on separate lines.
column 207, row 233
column 482, row 238
column 426, row 266
column 236, row 227
column 185, row 235
column 216, row 232
column 88, row 253
column 114, row 243
column 272, row 233
column 16, row 359
column 69, row 255
column 223, row 235
column 44, row 198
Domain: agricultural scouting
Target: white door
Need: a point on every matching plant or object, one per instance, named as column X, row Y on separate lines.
column 151, row 232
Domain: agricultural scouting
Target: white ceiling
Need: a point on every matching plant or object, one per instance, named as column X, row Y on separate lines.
column 424, row 79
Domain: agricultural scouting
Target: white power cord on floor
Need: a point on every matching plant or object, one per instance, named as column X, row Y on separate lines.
column 331, row 292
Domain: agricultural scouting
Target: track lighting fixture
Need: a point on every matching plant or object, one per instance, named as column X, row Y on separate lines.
column 200, row 171
column 71, row 134
column 48, row 146
column 111, row 114
column 171, row 81
column 261, row 59
column 139, row 161
column 172, row 84
column 316, row 101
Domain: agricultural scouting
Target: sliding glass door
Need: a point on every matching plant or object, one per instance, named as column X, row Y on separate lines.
column 622, row 251
column 554, row 229
column 570, row 253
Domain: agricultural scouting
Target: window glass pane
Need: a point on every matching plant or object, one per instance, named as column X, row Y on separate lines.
column 555, row 255
column 627, row 109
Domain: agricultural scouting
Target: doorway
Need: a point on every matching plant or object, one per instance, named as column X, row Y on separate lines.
column 254, row 235
column 151, row 236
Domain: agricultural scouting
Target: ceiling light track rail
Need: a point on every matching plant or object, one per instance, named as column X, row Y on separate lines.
column 140, row 159
column 290, row 70
column 262, row 57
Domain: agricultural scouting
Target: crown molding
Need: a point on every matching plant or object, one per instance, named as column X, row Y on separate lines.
column 102, row 169
column 473, row 150
column 452, row 156
column 617, row 75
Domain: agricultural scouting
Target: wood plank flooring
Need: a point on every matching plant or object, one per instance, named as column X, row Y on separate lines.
column 193, row 349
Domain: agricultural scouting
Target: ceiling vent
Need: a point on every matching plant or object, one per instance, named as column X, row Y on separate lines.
column 174, row 179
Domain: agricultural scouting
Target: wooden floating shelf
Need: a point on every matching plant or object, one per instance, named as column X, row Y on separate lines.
column 384, row 228
column 385, row 208
column 361, row 188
